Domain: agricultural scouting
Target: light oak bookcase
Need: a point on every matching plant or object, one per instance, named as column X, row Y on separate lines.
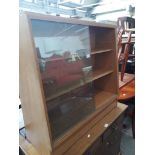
column 68, row 80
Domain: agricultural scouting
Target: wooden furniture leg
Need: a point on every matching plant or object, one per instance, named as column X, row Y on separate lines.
column 120, row 46
column 125, row 56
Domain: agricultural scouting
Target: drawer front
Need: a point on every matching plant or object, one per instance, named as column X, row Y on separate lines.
column 112, row 137
column 109, row 142
column 96, row 146
column 117, row 125
column 89, row 138
column 111, row 145
column 80, row 146
column 84, row 142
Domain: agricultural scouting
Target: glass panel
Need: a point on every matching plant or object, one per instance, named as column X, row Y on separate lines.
column 63, row 52
column 67, row 110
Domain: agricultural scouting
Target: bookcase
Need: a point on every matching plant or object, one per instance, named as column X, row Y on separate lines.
column 68, row 80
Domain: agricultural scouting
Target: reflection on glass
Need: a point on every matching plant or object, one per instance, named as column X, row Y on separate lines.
column 67, row 110
column 64, row 58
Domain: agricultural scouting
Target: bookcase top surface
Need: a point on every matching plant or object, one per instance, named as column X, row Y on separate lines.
column 41, row 16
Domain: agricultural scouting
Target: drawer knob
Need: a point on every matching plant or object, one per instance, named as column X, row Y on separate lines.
column 106, row 125
column 88, row 135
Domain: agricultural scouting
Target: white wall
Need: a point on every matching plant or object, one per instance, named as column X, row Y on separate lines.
column 111, row 16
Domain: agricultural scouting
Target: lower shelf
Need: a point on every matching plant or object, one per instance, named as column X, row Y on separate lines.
column 102, row 98
column 54, row 91
column 72, row 110
column 68, row 113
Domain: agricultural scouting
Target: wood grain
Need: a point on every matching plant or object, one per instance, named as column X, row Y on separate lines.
column 98, row 73
column 127, row 92
column 31, row 95
column 127, row 79
column 27, row 147
column 102, row 98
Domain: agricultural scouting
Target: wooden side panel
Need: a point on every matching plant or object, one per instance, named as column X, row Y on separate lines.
column 116, row 80
column 32, row 100
column 27, row 147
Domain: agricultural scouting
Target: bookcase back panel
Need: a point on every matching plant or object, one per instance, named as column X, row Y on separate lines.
column 103, row 61
column 102, row 38
column 107, row 84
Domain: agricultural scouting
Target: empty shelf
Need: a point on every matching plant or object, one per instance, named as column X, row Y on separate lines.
column 100, row 51
column 95, row 75
column 102, row 98
column 99, row 73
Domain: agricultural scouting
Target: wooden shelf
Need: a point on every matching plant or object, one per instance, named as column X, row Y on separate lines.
column 65, row 90
column 100, row 73
column 95, row 75
column 103, row 98
column 100, row 51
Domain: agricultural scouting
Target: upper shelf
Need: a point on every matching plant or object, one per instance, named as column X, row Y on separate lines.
column 100, row 51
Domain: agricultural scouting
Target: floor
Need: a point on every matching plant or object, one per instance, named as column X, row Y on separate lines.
column 127, row 141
